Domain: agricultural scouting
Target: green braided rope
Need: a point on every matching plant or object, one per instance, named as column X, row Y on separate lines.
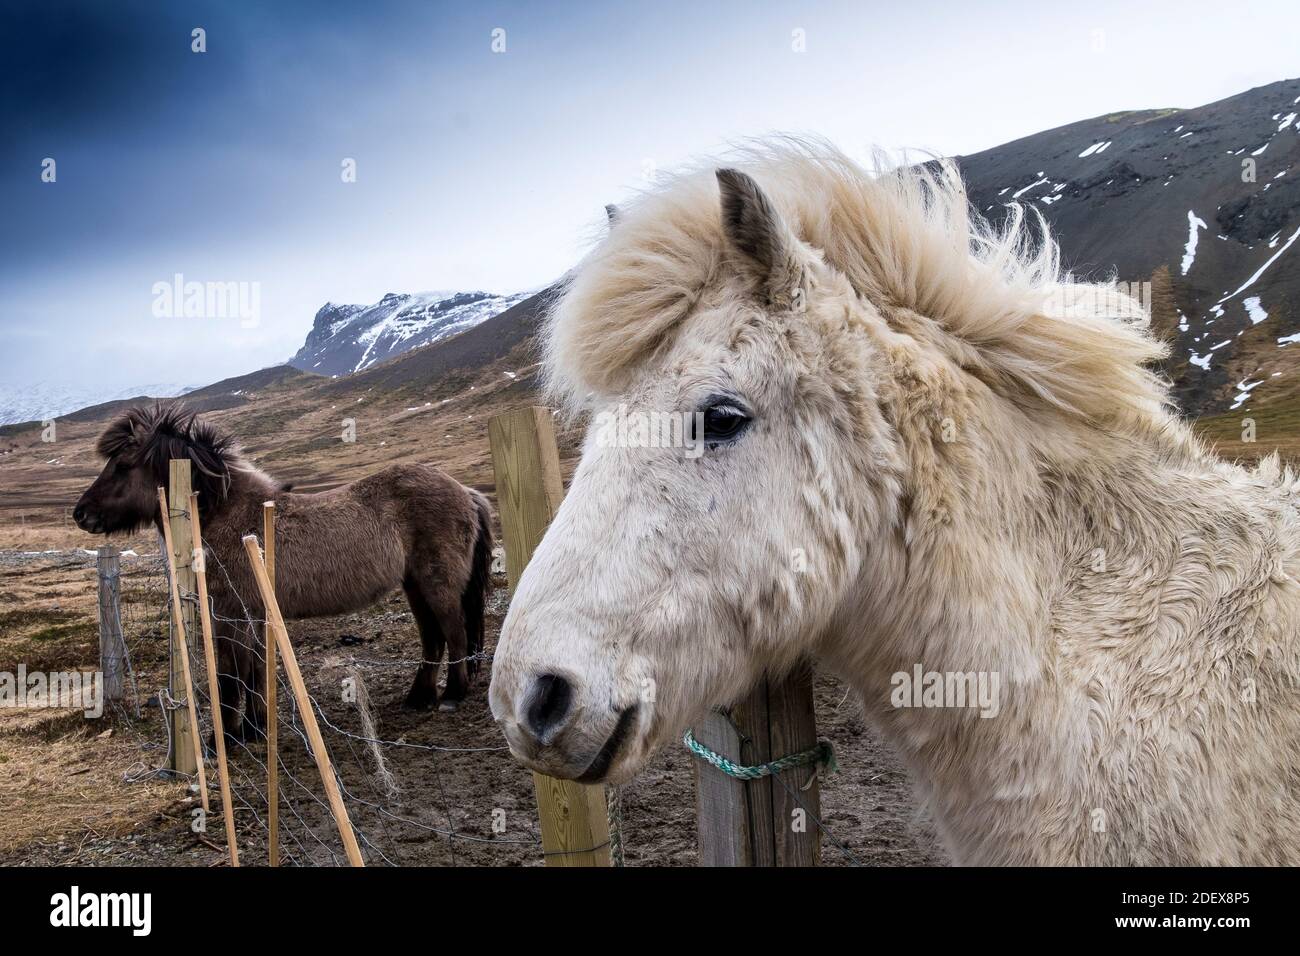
column 614, row 816
column 823, row 754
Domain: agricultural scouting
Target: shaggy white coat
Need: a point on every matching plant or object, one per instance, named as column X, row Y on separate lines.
column 977, row 471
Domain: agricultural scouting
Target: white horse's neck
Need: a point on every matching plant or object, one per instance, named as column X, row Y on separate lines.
column 1037, row 590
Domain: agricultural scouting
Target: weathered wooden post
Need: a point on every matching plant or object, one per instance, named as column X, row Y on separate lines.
column 112, row 646
column 769, row 821
column 180, row 543
column 575, row 825
column 188, row 743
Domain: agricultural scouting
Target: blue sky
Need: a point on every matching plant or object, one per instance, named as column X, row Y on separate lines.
column 478, row 169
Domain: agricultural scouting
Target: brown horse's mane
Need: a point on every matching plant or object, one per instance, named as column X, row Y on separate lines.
column 152, row 435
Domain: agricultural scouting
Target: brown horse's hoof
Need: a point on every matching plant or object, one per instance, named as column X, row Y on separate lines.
column 449, row 706
column 420, row 699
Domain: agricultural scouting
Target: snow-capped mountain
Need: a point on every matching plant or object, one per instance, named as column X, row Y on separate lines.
column 349, row 338
column 1202, row 203
column 46, row 400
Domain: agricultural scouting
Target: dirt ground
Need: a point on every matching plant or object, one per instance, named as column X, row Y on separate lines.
column 81, row 792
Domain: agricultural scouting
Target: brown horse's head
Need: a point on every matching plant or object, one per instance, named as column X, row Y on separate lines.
column 138, row 446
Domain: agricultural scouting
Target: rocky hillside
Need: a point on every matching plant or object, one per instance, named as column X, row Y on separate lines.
column 345, row 339
column 1204, row 203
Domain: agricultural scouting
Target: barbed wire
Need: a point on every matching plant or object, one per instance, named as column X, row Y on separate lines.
column 381, row 819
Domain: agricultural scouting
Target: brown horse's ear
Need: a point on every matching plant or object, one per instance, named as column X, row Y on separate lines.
column 757, row 232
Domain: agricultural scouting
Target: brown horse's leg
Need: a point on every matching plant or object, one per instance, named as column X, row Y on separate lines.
column 228, row 686
column 452, row 619
column 424, row 692
column 254, row 677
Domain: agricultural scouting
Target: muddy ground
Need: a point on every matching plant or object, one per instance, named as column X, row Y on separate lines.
column 81, row 792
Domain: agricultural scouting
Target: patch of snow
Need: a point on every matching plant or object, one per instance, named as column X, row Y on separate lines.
column 1243, row 392
column 1020, row 192
column 1189, row 251
column 1254, row 310
column 1260, row 271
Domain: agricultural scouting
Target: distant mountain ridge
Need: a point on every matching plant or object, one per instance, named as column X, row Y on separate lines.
column 1157, row 196
column 1204, row 203
column 345, row 339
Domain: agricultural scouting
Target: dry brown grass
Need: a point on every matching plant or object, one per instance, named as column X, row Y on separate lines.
column 62, row 777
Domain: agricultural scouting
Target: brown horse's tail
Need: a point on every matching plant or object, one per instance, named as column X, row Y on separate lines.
column 474, row 599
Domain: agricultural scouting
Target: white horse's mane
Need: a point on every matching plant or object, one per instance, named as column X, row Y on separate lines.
column 908, row 242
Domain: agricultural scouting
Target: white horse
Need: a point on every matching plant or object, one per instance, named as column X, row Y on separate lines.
column 936, row 466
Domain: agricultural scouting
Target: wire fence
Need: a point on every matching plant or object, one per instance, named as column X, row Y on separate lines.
column 420, row 788
column 402, row 806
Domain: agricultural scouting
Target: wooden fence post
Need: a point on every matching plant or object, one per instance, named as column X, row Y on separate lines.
column 214, row 692
column 770, row 821
column 112, row 646
column 186, row 743
column 272, row 718
column 179, row 545
column 305, row 708
column 575, row 825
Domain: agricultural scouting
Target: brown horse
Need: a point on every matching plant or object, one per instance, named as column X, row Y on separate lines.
column 336, row 551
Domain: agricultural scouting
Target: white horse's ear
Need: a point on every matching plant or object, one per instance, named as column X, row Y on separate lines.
column 758, row 233
column 612, row 214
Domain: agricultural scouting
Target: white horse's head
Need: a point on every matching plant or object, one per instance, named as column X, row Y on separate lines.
column 758, row 352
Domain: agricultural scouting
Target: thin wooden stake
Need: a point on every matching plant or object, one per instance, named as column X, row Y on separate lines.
column 178, row 622
column 272, row 718
column 307, row 712
column 214, row 692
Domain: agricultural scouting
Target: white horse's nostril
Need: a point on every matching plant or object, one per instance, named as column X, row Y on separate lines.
column 547, row 707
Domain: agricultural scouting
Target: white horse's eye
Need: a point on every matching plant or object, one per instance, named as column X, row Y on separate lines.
column 723, row 422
